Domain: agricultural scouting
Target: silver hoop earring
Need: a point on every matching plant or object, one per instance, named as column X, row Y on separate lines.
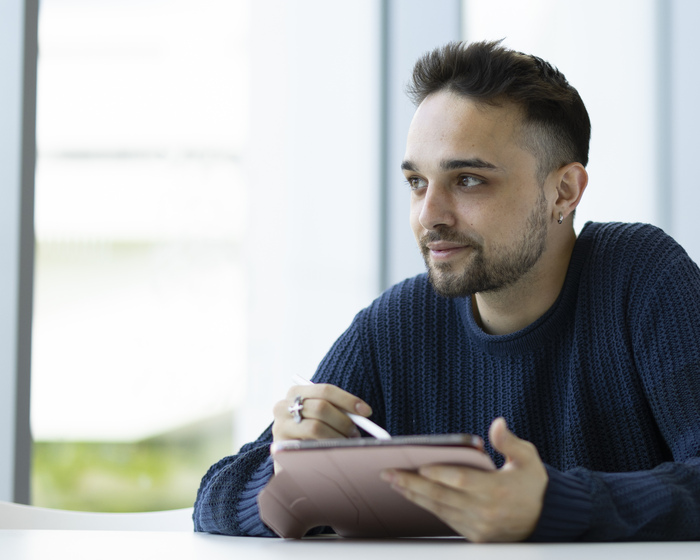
column 561, row 218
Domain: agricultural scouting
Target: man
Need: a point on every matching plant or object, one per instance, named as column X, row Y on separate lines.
column 587, row 348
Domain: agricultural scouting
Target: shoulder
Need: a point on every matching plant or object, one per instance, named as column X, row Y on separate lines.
column 638, row 264
column 626, row 235
column 630, row 246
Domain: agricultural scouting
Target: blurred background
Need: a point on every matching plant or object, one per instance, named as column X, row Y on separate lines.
column 218, row 192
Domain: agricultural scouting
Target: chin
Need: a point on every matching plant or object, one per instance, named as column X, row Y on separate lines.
column 448, row 285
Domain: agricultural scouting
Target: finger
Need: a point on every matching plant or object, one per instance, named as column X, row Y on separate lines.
column 334, row 395
column 461, row 478
column 319, row 420
column 451, row 506
column 307, row 430
column 443, row 509
column 463, row 522
column 509, row 445
column 424, row 491
column 477, row 517
column 285, row 427
column 326, row 413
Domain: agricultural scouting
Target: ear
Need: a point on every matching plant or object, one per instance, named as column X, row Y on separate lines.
column 572, row 181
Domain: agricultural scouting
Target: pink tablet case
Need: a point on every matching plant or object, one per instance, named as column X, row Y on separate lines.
column 341, row 488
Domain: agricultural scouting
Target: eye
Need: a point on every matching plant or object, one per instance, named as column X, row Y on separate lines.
column 416, row 183
column 469, row 181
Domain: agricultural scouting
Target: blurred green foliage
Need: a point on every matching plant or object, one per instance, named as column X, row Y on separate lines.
column 155, row 474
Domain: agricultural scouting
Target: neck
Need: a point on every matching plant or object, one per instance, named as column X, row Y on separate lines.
column 514, row 307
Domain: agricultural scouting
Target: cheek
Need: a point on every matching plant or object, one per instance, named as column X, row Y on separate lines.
column 414, row 215
column 511, row 222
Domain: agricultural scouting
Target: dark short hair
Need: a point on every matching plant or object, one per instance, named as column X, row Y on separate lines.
column 557, row 129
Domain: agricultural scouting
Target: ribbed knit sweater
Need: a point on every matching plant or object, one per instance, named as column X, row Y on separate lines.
column 606, row 384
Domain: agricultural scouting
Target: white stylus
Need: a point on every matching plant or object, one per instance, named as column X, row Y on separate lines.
column 364, row 423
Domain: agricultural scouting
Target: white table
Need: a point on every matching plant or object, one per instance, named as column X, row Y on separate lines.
column 135, row 545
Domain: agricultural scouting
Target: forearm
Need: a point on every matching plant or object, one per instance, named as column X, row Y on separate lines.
column 658, row 504
column 217, row 509
column 566, row 512
column 247, row 509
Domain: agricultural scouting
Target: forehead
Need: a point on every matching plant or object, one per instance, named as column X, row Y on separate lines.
column 447, row 125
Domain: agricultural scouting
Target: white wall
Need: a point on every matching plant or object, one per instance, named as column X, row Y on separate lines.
column 313, row 170
column 679, row 173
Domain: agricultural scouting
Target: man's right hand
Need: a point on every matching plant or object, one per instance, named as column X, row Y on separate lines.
column 323, row 416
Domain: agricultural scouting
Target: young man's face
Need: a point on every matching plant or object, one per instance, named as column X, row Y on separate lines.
column 478, row 212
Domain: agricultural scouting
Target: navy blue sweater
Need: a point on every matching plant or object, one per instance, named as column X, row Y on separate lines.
column 606, row 384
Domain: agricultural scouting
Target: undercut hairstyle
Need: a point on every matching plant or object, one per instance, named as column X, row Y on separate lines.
column 556, row 127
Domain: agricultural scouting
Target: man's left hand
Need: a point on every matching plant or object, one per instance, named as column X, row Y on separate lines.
column 496, row 506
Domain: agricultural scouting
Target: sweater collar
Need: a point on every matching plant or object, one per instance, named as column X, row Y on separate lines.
column 552, row 323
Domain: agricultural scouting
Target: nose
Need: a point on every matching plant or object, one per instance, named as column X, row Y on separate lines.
column 437, row 208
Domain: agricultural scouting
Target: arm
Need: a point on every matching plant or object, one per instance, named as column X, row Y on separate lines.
column 227, row 499
column 216, row 509
column 661, row 500
column 659, row 504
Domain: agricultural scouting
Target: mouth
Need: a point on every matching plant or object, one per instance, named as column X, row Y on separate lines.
column 444, row 250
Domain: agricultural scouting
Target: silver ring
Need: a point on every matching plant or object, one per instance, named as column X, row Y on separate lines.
column 296, row 408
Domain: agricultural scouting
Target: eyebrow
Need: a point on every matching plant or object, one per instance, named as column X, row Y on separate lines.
column 452, row 164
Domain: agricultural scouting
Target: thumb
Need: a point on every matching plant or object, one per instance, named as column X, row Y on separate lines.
column 507, row 443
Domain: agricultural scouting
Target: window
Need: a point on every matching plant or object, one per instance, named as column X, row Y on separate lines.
column 139, row 347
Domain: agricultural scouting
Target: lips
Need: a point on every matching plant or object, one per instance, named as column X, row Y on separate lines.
column 440, row 246
column 444, row 250
column 443, row 246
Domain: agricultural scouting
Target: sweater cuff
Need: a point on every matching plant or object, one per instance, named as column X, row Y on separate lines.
column 566, row 512
column 248, row 511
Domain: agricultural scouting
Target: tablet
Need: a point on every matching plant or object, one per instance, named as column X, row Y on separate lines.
column 336, row 483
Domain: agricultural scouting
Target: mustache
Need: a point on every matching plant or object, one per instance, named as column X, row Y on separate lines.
column 451, row 236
